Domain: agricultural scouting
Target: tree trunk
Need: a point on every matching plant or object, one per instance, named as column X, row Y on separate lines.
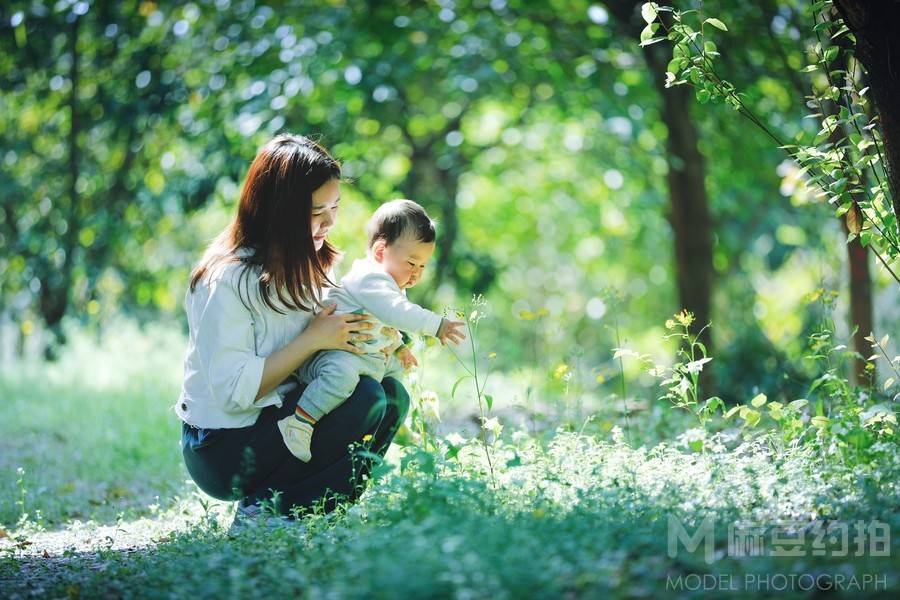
column 54, row 293
column 860, row 304
column 427, row 184
column 689, row 216
column 689, row 203
column 878, row 47
column 449, row 230
column 860, row 284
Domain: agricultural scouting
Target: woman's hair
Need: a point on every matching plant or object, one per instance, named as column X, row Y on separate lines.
column 273, row 225
column 399, row 218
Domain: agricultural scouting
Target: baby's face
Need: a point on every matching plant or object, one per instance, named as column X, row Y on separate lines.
column 405, row 260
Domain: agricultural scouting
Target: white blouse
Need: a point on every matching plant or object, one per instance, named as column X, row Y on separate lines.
column 227, row 348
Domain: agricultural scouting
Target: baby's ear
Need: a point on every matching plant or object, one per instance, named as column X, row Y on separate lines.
column 378, row 249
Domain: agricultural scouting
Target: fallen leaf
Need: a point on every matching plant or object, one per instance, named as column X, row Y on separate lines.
column 854, row 219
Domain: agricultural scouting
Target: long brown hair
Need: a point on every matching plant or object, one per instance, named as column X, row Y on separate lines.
column 272, row 227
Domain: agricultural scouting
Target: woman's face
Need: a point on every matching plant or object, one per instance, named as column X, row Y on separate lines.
column 325, row 202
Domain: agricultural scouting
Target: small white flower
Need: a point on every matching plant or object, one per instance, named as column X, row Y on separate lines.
column 430, row 405
column 683, row 386
column 697, row 365
column 493, row 425
column 454, row 439
column 617, row 435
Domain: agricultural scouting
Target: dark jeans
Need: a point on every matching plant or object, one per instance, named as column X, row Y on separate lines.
column 252, row 463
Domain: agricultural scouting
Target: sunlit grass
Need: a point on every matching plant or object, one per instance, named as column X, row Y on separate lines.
column 94, row 432
column 577, row 505
column 578, row 517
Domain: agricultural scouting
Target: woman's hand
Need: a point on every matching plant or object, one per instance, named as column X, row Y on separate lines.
column 328, row 331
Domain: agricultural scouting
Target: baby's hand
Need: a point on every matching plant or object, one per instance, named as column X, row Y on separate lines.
column 406, row 358
column 451, row 331
column 393, row 337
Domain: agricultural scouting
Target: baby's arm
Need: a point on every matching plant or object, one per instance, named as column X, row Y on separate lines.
column 379, row 295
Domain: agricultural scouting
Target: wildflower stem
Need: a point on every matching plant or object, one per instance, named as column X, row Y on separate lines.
column 622, row 372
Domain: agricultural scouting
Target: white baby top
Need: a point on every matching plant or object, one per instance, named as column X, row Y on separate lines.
column 369, row 287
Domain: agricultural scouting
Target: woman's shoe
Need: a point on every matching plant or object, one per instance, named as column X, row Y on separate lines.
column 252, row 515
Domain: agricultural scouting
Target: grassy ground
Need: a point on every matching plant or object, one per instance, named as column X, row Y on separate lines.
column 101, row 513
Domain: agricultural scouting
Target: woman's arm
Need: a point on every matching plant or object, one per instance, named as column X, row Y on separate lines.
column 326, row 331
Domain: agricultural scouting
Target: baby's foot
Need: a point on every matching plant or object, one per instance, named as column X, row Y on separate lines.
column 297, row 436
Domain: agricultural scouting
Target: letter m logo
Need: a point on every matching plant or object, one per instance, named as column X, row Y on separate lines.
column 705, row 533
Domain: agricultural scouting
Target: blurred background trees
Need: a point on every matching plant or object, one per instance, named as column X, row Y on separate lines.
column 565, row 176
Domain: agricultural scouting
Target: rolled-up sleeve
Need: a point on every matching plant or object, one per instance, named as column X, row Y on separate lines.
column 226, row 347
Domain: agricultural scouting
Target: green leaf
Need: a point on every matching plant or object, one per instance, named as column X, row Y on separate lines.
column 716, row 23
column 456, row 385
column 733, row 410
column 675, row 65
column 713, row 403
column 752, row 417
column 798, row 404
column 759, row 400
column 647, row 35
column 489, row 400
column 820, row 422
column 648, row 11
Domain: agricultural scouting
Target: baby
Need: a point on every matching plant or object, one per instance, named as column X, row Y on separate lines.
column 401, row 241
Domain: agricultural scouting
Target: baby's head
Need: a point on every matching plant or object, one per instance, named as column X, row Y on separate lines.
column 401, row 239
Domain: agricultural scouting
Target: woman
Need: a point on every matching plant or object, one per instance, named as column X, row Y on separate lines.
column 250, row 311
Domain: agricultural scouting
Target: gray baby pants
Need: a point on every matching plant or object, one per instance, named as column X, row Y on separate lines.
column 332, row 376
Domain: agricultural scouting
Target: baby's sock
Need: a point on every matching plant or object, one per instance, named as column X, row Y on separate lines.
column 297, row 431
column 304, row 416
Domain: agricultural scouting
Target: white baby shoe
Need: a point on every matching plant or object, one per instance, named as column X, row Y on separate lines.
column 297, row 436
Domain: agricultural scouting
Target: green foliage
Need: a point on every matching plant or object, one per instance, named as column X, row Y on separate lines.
column 520, row 515
column 844, row 161
column 581, row 517
column 534, row 133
